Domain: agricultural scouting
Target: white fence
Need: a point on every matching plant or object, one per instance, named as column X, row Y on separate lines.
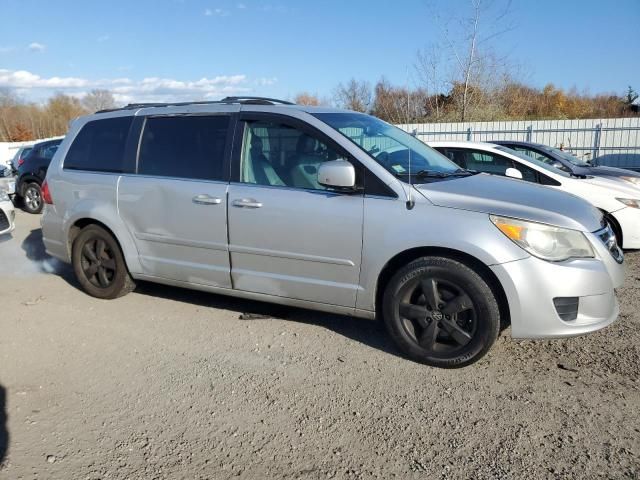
column 613, row 141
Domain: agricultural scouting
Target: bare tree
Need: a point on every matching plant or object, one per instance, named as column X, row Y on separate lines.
column 429, row 66
column 305, row 98
column 475, row 70
column 98, row 100
column 354, row 95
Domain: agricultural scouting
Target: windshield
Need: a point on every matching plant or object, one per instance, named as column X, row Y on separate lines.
column 567, row 156
column 390, row 146
column 532, row 160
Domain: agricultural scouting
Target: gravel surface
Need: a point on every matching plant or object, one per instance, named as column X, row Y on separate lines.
column 171, row 383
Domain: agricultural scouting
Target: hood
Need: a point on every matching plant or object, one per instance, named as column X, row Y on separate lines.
column 615, row 186
column 514, row 198
column 613, row 172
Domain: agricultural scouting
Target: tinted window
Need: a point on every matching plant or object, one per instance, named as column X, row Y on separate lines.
column 184, row 147
column 280, row 155
column 99, row 147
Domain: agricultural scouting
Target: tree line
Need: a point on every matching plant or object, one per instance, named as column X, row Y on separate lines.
column 22, row 121
column 510, row 101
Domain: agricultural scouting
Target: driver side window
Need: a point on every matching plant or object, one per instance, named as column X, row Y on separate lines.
column 280, row 155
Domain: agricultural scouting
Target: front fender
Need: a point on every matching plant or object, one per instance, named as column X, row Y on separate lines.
column 390, row 229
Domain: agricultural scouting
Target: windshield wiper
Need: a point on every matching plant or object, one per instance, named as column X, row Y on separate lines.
column 436, row 174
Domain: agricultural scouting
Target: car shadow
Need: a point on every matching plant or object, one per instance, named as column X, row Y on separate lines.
column 35, row 251
column 367, row 332
column 4, row 431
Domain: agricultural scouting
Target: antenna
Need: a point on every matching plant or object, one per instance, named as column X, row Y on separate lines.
column 410, row 203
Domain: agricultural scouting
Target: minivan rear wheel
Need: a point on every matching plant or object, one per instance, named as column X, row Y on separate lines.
column 441, row 312
column 99, row 264
column 32, row 198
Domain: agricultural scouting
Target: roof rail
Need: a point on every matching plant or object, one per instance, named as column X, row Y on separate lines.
column 255, row 100
column 241, row 100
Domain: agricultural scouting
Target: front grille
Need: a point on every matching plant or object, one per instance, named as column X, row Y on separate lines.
column 607, row 237
column 567, row 307
column 4, row 221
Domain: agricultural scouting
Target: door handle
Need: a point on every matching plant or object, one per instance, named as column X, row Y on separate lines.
column 246, row 203
column 204, row 199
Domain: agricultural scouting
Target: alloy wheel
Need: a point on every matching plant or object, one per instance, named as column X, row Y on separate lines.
column 32, row 198
column 438, row 316
column 98, row 262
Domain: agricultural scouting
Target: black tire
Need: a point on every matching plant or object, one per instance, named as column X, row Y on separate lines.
column 99, row 264
column 440, row 312
column 32, row 198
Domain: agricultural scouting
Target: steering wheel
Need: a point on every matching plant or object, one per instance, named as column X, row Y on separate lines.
column 373, row 149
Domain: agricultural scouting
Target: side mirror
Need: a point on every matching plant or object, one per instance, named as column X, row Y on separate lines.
column 513, row 173
column 558, row 165
column 338, row 174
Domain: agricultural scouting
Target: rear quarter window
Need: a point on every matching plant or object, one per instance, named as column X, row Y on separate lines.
column 100, row 147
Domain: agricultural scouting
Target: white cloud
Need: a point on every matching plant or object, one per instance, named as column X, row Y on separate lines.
column 219, row 12
column 6, row 49
column 266, row 81
column 241, row 6
column 104, row 38
column 125, row 90
column 36, row 47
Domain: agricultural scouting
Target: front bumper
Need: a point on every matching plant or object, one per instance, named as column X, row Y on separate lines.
column 531, row 285
column 629, row 220
column 8, row 184
column 7, row 218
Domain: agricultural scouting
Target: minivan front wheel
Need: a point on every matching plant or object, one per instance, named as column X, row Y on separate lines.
column 32, row 198
column 441, row 313
column 99, row 264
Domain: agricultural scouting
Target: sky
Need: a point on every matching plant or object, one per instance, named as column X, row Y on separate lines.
column 169, row 50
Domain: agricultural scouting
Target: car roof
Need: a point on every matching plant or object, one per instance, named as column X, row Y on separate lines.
column 519, row 142
column 461, row 144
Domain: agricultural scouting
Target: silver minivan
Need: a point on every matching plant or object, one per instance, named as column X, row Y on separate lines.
column 330, row 210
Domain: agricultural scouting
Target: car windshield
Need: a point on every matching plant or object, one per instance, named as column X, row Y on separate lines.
column 397, row 151
column 567, row 156
column 532, row 160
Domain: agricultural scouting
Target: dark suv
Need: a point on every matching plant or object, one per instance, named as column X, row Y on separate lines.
column 31, row 173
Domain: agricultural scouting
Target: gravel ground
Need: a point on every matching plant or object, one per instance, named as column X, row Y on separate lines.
column 170, row 383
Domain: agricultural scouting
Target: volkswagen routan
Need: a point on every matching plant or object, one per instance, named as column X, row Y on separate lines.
column 329, row 210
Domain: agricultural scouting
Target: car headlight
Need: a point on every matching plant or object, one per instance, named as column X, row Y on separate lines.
column 634, row 180
column 3, row 196
column 630, row 202
column 550, row 243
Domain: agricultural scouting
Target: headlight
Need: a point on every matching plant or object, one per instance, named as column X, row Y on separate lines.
column 554, row 244
column 3, row 196
column 630, row 202
column 634, row 180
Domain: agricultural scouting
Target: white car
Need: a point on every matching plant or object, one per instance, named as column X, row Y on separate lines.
column 7, row 214
column 619, row 201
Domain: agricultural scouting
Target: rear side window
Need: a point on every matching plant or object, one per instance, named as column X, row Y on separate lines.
column 184, row 147
column 99, row 147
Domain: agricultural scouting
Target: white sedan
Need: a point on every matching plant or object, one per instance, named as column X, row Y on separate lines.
column 620, row 202
column 7, row 214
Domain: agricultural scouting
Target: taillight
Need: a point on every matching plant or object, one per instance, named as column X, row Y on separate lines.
column 46, row 194
column 20, row 161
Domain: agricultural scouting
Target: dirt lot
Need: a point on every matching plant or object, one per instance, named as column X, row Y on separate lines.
column 169, row 383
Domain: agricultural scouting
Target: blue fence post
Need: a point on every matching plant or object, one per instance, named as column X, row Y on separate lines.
column 529, row 133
